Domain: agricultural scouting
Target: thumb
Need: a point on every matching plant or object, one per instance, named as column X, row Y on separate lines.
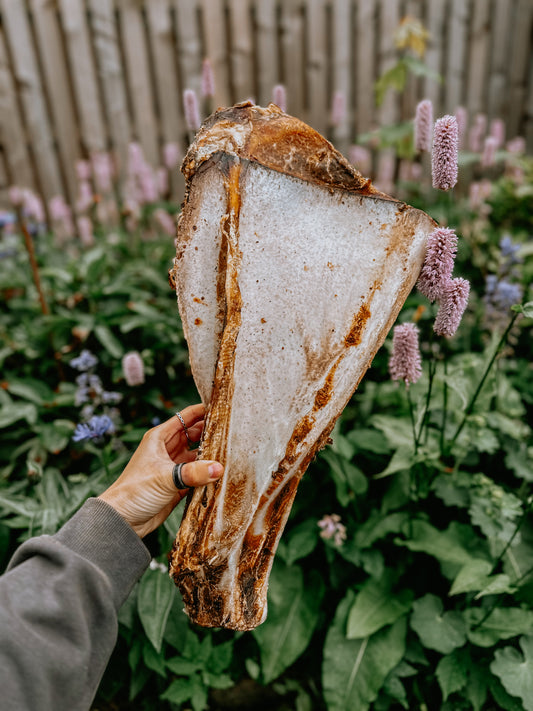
column 201, row 472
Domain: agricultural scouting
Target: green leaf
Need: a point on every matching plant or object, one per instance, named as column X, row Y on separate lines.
column 442, row 545
column 402, row 460
column 293, row 608
column 471, row 577
column 369, row 441
column 378, row 526
column 349, row 480
column 438, row 630
column 501, row 697
column 376, row 606
column 156, row 595
column 182, row 666
column 301, row 541
column 398, row 432
column 179, row 691
column 217, row 681
column 354, row 671
column 154, row 660
column 526, row 309
column 112, row 345
column 516, row 671
column 12, row 412
column 476, row 690
column 502, row 623
column 451, row 673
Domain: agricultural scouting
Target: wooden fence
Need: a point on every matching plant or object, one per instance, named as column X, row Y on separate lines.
column 79, row 77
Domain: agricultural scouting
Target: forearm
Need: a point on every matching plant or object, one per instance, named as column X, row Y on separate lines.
column 59, row 601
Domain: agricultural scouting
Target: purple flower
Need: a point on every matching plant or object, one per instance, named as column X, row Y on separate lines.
column 438, row 263
column 452, row 305
column 423, row 125
column 405, row 361
column 500, row 294
column 332, row 528
column 338, row 108
column 85, row 361
column 509, row 250
column 445, row 152
column 488, row 157
column 96, row 428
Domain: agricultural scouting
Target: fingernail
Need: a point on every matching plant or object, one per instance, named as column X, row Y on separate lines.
column 215, row 470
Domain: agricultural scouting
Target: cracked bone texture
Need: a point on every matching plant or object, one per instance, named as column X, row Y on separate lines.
column 290, row 270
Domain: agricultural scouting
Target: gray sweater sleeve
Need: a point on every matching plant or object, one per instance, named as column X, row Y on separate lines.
column 59, row 601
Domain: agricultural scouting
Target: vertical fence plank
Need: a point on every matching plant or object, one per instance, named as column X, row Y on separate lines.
column 52, row 58
column 139, row 78
column 30, row 90
column 241, row 58
column 519, row 64
column 456, row 55
column 215, row 33
column 267, row 50
column 292, row 55
column 478, row 56
column 189, row 44
column 365, row 65
column 111, row 73
column 12, row 134
column 499, row 51
column 318, row 92
column 341, row 48
column 83, row 73
column 435, row 23
column 166, row 86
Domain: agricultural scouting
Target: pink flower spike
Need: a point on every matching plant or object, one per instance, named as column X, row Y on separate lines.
column 489, row 151
column 279, row 96
column 497, row 131
column 452, row 306
column 165, row 221
column 83, row 169
column 338, row 108
column 133, row 368
column 445, row 149
column 171, row 155
column 438, row 263
column 85, row 229
column 15, row 195
column 405, row 362
column 208, row 79
column 360, row 158
column 192, row 112
column 423, row 125
column 163, row 185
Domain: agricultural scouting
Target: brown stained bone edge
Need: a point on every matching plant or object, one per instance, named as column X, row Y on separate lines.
column 277, row 141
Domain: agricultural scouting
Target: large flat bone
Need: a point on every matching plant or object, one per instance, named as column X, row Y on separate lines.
column 290, row 270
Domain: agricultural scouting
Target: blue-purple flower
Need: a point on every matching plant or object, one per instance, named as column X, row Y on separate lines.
column 85, row 361
column 94, row 429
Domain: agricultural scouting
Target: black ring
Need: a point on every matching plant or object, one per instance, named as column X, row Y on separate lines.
column 177, row 478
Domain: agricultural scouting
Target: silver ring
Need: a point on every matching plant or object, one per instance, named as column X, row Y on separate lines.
column 180, row 418
column 177, row 478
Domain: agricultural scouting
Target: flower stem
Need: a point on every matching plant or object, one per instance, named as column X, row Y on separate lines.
column 481, row 383
column 28, row 242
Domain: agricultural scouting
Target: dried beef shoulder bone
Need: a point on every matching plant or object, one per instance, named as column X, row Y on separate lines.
column 290, row 270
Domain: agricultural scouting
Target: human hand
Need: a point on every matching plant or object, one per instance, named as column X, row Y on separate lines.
column 145, row 493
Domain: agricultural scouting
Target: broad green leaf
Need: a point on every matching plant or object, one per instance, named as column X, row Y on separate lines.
column 301, row 541
column 110, row 342
column 471, row 577
column 438, row 630
column 182, row 666
column 354, row 671
column 369, row 441
column 199, row 694
column 476, row 689
column 502, row 623
column 155, row 598
column 376, row 606
column 30, row 389
column 154, row 660
column 398, row 432
column 15, row 411
column 220, row 657
column 178, row 692
column 526, row 309
column 451, row 673
column 378, row 526
column 442, row 545
column 501, row 697
column 293, row 608
column 402, row 460
column 515, row 670
column 349, row 480
column 217, row 681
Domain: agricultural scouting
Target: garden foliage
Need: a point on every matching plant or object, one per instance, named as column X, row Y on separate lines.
column 404, row 578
